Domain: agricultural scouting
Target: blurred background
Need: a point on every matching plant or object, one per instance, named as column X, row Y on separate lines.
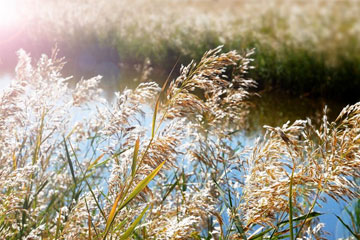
column 307, row 52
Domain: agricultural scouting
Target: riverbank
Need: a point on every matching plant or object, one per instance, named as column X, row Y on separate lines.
column 303, row 48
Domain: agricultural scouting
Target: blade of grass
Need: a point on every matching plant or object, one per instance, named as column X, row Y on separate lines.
column 137, row 236
column 57, row 232
column 129, row 231
column 135, row 157
column 69, row 162
column 89, row 226
column 357, row 214
column 96, row 201
column 237, row 220
column 158, row 100
column 14, row 161
column 348, row 227
column 351, row 215
column 112, row 213
column 291, row 226
column 311, row 208
column 144, row 233
column 238, row 224
column 38, row 138
column 283, row 237
column 121, row 224
column 154, row 118
column 142, row 185
column 90, row 221
column 184, row 180
column 168, row 78
column 38, row 191
column 101, row 163
column 301, row 218
column 221, row 223
column 133, row 194
column 170, row 190
column 93, row 164
column 87, row 183
column 260, row 235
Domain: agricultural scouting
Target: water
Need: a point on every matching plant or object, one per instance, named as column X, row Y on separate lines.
column 5, row 80
column 271, row 108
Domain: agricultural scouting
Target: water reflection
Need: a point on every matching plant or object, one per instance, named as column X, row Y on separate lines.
column 5, row 80
column 270, row 108
column 275, row 108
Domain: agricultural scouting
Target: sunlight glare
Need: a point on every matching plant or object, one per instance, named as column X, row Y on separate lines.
column 9, row 13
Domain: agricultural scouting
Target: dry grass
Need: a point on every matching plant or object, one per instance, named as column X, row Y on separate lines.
column 75, row 166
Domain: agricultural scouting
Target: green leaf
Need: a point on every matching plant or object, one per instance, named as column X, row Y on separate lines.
column 238, row 224
column 101, row 163
column 129, row 231
column 301, row 218
column 170, row 190
column 133, row 194
column 260, row 235
column 141, row 185
column 58, row 223
column 70, row 163
column 184, row 181
column 348, row 228
column 96, row 201
column 94, row 164
column 239, row 227
column 84, row 178
column 121, row 224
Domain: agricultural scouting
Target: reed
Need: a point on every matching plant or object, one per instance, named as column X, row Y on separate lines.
column 303, row 47
column 163, row 163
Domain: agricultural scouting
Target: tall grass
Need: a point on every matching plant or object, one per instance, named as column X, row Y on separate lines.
column 302, row 46
column 163, row 163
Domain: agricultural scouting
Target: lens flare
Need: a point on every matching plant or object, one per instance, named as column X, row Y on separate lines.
column 9, row 13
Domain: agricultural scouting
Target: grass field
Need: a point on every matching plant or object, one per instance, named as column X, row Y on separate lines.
column 304, row 47
column 167, row 161
column 76, row 166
